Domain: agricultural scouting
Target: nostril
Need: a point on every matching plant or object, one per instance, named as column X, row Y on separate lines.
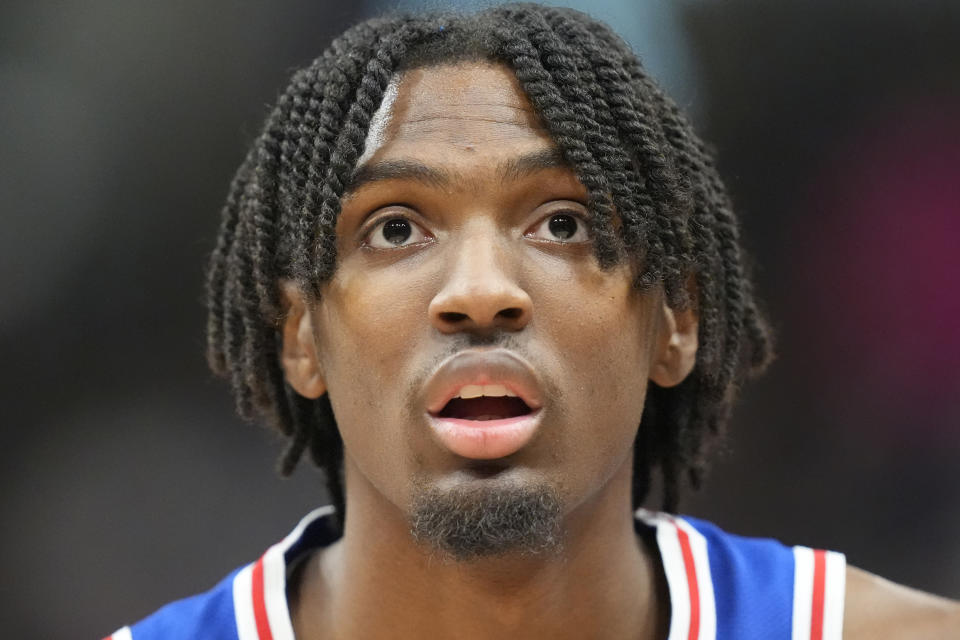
column 511, row 313
column 452, row 317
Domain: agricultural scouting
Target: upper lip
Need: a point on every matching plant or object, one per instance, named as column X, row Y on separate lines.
column 486, row 367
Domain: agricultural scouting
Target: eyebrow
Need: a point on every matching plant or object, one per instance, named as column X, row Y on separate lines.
column 432, row 176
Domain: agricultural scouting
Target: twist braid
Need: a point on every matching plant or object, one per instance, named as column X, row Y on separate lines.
column 563, row 125
column 578, row 84
column 645, row 171
column 652, row 187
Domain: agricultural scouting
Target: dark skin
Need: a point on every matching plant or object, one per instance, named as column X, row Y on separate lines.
column 462, row 161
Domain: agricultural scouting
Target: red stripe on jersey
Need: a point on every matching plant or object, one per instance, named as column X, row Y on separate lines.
column 691, row 583
column 819, row 587
column 259, row 605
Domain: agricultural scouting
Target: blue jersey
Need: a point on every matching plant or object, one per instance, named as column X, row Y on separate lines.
column 722, row 587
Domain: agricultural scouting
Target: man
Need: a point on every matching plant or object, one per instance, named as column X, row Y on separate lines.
column 485, row 273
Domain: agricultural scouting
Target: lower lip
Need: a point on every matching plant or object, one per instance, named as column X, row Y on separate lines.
column 485, row 439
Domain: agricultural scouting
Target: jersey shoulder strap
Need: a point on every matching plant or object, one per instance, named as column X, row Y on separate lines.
column 249, row 604
column 724, row 586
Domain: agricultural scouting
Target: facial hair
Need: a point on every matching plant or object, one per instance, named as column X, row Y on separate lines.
column 472, row 523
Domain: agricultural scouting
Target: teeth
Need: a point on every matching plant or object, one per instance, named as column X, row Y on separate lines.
column 471, row 391
column 489, row 390
column 494, row 390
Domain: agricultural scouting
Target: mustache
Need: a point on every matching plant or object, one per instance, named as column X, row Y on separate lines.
column 502, row 339
column 461, row 342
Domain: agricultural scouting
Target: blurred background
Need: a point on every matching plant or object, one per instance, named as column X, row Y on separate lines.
column 128, row 481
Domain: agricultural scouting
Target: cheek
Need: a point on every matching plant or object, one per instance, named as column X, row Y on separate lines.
column 600, row 336
column 369, row 327
column 603, row 327
column 368, row 330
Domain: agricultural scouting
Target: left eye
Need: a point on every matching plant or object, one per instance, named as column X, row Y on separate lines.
column 561, row 227
column 394, row 232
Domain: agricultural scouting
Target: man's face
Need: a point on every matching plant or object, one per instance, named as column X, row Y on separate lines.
column 464, row 260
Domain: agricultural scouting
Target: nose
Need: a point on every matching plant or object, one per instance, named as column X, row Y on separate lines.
column 480, row 291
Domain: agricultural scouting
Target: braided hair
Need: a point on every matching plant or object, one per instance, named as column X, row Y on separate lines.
column 652, row 187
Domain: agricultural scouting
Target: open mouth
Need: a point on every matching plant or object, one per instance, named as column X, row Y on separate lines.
column 484, row 404
column 485, row 408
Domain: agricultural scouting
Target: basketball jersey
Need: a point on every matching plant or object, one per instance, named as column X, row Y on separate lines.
column 722, row 587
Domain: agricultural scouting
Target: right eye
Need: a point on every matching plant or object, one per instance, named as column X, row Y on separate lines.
column 561, row 227
column 391, row 233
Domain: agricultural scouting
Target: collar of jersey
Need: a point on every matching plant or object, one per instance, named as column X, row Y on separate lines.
column 260, row 589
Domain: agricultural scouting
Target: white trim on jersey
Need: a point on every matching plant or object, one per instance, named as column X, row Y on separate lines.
column 802, row 592
column 708, row 607
column 121, row 634
column 262, row 613
column 274, row 592
column 243, row 604
column 683, row 551
column 835, row 596
column 672, row 558
column 271, row 570
column 819, row 584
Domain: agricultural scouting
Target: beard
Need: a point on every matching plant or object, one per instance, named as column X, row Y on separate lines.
column 472, row 523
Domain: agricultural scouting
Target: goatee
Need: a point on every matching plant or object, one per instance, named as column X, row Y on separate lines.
column 470, row 523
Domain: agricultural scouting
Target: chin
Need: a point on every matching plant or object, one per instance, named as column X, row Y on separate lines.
column 485, row 514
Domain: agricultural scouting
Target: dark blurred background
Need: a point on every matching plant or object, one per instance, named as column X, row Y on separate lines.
column 128, row 479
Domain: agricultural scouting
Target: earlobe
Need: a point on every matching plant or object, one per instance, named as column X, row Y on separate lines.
column 298, row 353
column 676, row 351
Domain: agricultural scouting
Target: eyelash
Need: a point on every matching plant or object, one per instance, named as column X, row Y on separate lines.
column 576, row 215
column 369, row 229
column 378, row 221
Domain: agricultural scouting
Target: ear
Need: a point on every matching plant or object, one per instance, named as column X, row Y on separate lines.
column 298, row 355
column 676, row 351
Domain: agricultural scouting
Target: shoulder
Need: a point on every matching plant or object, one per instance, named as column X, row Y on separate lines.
column 745, row 587
column 880, row 609
column 251, row 602
column 753, row 577
column 208, row 615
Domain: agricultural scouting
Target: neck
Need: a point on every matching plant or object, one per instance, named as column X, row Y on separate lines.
column 377, row 582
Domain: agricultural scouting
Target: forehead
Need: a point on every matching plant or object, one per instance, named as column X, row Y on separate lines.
column 464, row 114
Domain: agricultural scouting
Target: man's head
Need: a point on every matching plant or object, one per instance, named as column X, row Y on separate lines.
column 499, row 204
